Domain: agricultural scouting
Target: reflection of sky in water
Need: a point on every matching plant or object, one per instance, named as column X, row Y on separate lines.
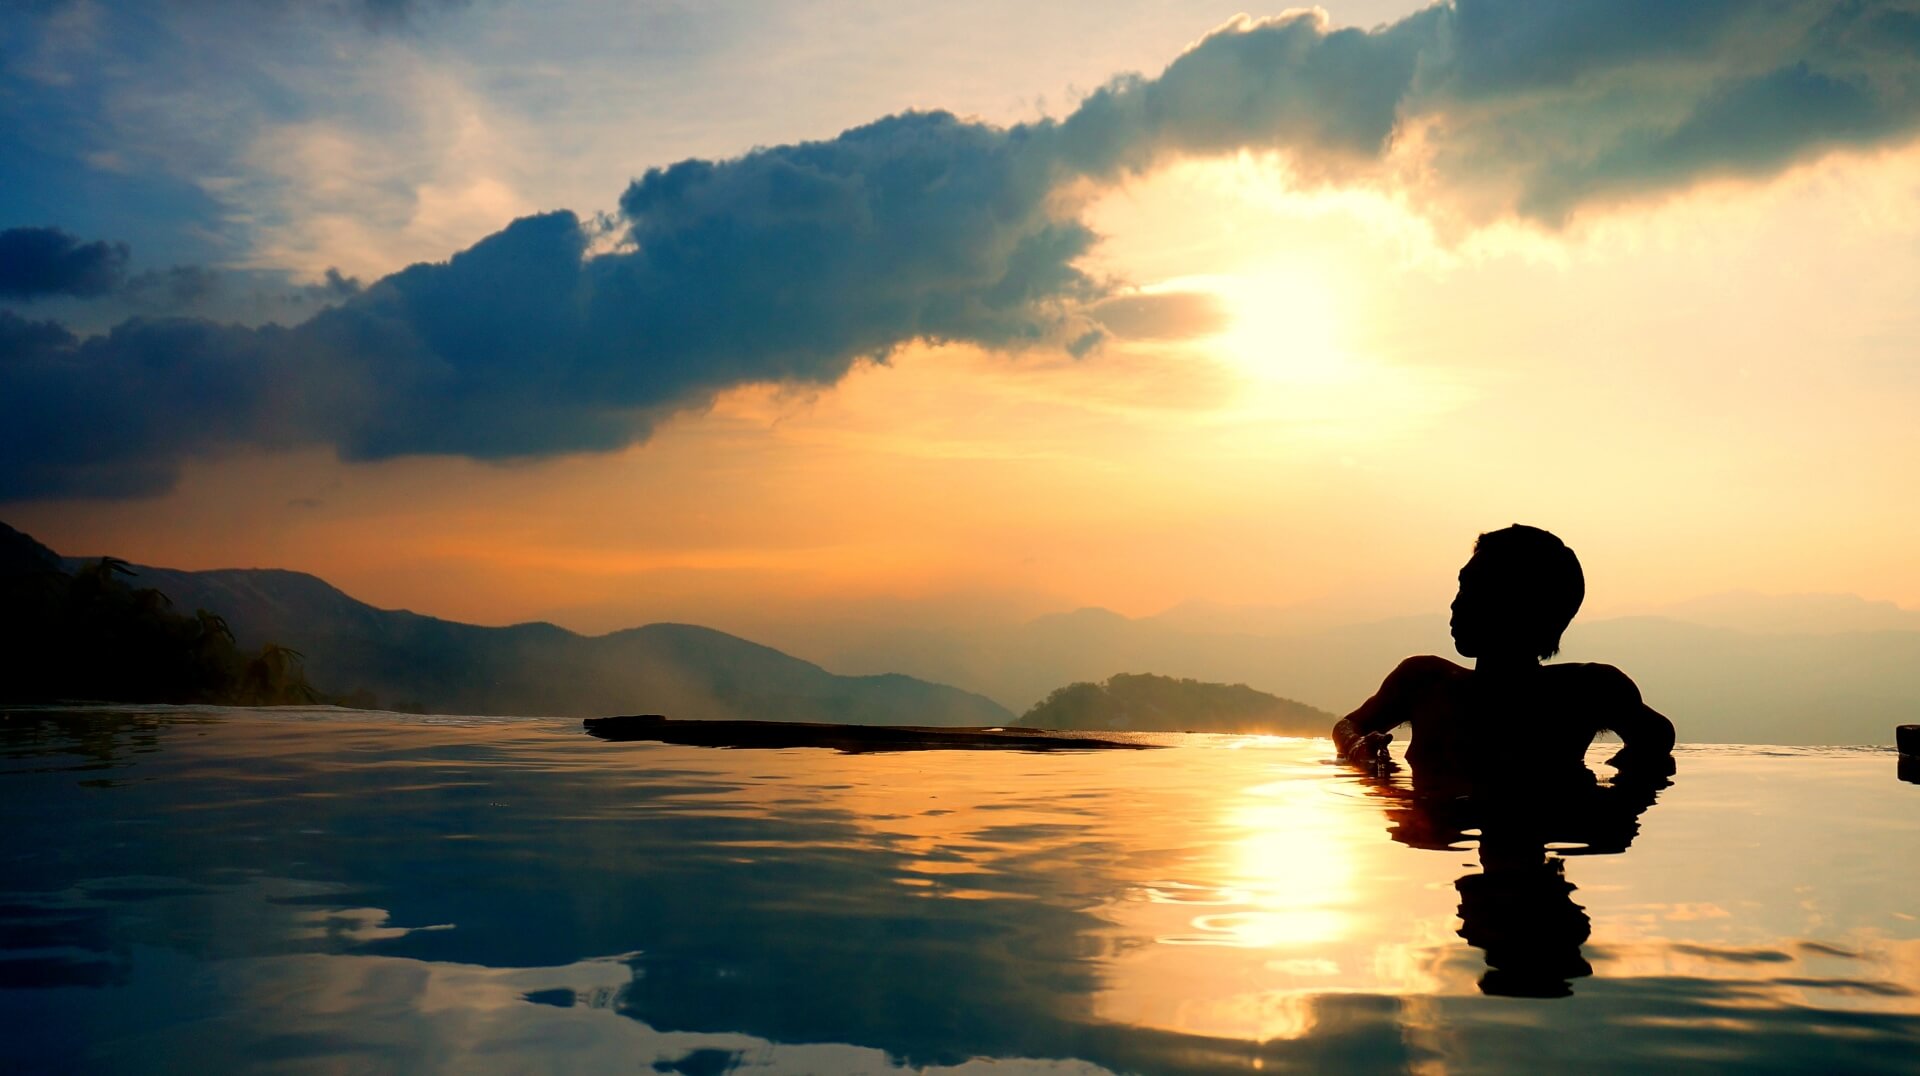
column 190, row 891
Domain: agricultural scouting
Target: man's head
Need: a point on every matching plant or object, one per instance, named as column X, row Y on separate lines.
column 1517, row 595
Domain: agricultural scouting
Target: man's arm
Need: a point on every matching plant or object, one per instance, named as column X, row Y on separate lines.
column 1645, row 734
column 1362, row 736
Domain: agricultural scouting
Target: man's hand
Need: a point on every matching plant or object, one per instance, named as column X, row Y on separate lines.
column 1643, row 766
column 1369, row 752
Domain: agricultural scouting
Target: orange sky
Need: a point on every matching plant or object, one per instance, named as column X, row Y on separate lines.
column 1700, row 395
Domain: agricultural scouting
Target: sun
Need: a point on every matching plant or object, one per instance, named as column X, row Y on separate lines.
column 1284, row 326
column 1287, row 338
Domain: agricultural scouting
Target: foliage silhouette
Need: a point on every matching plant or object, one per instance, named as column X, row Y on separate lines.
column 93, row 635
column 1144, row 702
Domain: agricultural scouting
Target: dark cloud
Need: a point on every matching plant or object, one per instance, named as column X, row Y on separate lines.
column 37, row 262
column 788, row 265
column 175, row 288
column 1524, row 108
column 1751, row 126
column 1507, row 48
column 1328, row 96
column 90, row 283
column 1561, row 106
column 112, row 415
column 791, row 263
column 336, row 285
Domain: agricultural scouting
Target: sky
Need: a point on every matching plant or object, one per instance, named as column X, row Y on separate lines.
column 609, row 313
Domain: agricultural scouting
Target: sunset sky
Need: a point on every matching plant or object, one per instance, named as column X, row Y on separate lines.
column 942, row 311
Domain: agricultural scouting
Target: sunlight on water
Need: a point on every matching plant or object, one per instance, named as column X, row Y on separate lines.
column 196, row 890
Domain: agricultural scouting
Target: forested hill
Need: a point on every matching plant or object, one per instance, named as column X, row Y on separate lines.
column 1143, row 702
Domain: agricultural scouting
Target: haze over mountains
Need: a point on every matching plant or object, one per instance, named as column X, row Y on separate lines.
column 1814, row 669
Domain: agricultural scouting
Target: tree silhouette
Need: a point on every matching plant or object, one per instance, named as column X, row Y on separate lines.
column 90, row 635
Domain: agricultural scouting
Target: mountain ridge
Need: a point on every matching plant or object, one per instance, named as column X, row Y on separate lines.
column 416, row 661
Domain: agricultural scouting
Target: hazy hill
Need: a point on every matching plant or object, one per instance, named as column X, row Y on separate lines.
column 443, row 666
column 1017, row 664
column 1142, row 702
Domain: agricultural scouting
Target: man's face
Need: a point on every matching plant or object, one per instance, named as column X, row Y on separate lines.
column 1488, row 614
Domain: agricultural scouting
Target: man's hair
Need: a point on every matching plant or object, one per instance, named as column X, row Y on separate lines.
column 1540, row 575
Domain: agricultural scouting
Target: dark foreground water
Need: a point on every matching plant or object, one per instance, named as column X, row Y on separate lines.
column 202, row 891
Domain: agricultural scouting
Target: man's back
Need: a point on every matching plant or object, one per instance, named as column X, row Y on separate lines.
column 1462, row 720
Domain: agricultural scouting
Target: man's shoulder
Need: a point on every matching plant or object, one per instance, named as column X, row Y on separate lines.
column 1424, row 669
column 1598, row 680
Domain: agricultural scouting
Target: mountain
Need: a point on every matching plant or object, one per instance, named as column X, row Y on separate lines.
column 411, row 661
column 1138, row 702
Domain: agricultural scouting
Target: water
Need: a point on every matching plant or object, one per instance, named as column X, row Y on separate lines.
column 204, row 891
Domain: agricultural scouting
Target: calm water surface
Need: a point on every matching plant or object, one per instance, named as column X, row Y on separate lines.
column 201, row 890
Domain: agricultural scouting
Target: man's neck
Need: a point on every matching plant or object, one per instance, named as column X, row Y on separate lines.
column 1502, row 666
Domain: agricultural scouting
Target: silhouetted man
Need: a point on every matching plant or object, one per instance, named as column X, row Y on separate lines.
column 1498, row 757
column 1509, row 715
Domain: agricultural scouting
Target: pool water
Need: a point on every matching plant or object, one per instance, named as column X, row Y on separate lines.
column 201, row 890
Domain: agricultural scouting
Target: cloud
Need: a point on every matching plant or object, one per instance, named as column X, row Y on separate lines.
column 792, row 263
column 37, row 262
column 175, row 288
column 1548, row 109
column 1161, row 315
column 1516, row 108
column 1330, row 97
column 787, row 265
column 91, row 285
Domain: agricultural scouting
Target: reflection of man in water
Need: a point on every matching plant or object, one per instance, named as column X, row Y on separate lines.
column 1517, row 595
column 1498, row 756
column 1519, row 909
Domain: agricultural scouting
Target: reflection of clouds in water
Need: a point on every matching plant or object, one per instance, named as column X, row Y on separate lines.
column 393, row 1014
column 368, row 1012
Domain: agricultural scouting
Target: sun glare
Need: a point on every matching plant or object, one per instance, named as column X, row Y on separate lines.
column 1284, row 327
column 1287, row 341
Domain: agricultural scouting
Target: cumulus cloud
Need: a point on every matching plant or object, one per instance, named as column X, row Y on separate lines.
column 1562, row 106
column 788, row 264
column 1329, row 97
column 1513, row 107
column 39, row 262
column 792, row 263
